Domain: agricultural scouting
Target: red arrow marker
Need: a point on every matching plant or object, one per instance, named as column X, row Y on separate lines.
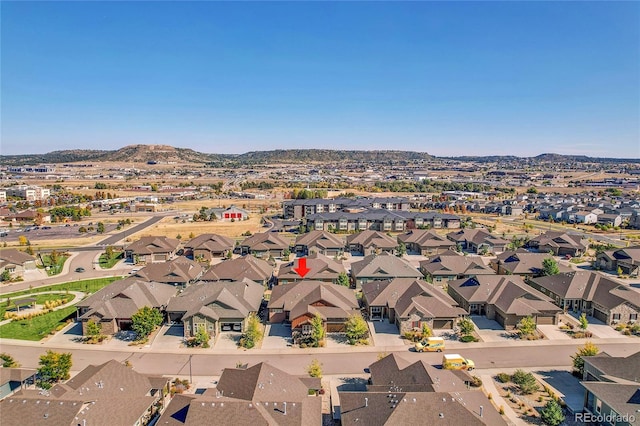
column 302, row 269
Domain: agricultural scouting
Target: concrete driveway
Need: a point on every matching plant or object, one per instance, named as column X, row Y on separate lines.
column 228, row 340
column 277, row 336
column 565, row 385
column 597, row 327
column 384, row 333
column 169, row 337
column 490, row 330
column 552, row 332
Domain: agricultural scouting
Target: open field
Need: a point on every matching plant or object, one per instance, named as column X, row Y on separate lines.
column 170, row 227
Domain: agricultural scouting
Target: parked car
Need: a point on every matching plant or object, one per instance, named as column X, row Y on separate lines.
column 430, row 344
column 457, row 362
column 80, row 269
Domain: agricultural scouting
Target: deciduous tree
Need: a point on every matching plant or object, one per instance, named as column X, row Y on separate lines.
column 356, row 329
column 589, row 349
column 54, row 366
column 145, row 320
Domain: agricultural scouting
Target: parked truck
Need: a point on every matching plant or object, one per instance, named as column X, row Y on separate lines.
column 430, row 344
column 457, row 362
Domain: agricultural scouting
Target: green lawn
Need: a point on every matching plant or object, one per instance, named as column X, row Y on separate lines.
column 35, row 328
column 107, row 263
column 40, row 299
column 54, row 268
column 87, row 286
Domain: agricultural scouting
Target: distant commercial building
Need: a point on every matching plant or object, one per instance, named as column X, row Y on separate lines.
column 28, row 193
column 298, row 209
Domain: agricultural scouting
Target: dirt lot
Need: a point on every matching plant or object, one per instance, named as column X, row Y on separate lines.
column 170, row 227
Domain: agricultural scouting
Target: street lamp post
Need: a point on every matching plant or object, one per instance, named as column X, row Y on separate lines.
column 190, row 374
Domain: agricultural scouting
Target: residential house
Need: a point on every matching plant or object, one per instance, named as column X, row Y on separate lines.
column 14, row 379
column 321, row 242
column 106, row 394
column 592, row 293
column 627, row 259
column 238, row 269
column 264, row 245
column 410, row 303
column 206, row 247
column 559, row 243
column 415, row 394
column 321, row 268
column 371, row 242
column 634, row 220
column 523, row 263
column 258, row 395
column 16, row 262
column 216, row 307
column 611, row 219
column 177, row 272
column 299, row 302
column 419, row 376
column 612, row 389
column 505, row 299
column 478, row 240
column 152, row 249
column 113, row 306
column 581, row 216
column 452, row 265
column 425, row 242
column 383, row 267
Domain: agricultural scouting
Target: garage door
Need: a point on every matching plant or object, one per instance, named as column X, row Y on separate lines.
column 231, row 326
column 545, row 320
column 600, row 315
column 443, row 324
column 335, row 327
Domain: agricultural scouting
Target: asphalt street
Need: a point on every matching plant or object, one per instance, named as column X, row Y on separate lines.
column 295, row 361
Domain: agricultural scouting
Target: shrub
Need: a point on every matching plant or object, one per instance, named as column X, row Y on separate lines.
column 501, row 410
column 468, row 338
column 526, row 382
column 503, row 377
column 476, row 381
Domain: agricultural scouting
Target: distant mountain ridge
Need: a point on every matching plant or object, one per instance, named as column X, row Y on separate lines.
column 166, row 153
column 170, row 154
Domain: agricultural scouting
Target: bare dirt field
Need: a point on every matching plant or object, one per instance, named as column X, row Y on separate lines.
column 173, row 228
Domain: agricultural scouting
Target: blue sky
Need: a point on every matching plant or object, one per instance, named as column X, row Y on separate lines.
column 447, row 78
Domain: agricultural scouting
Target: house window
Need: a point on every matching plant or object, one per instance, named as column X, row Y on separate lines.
column 306, row 329
column 616, row 317
column 376, row 309
column 277, row 311
column 598, row 406
column 633, row 317
column 415, row 324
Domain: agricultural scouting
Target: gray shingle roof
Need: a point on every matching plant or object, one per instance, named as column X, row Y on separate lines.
column 384, row 266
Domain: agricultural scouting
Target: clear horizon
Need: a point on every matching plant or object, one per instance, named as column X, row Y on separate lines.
column 446, row 78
